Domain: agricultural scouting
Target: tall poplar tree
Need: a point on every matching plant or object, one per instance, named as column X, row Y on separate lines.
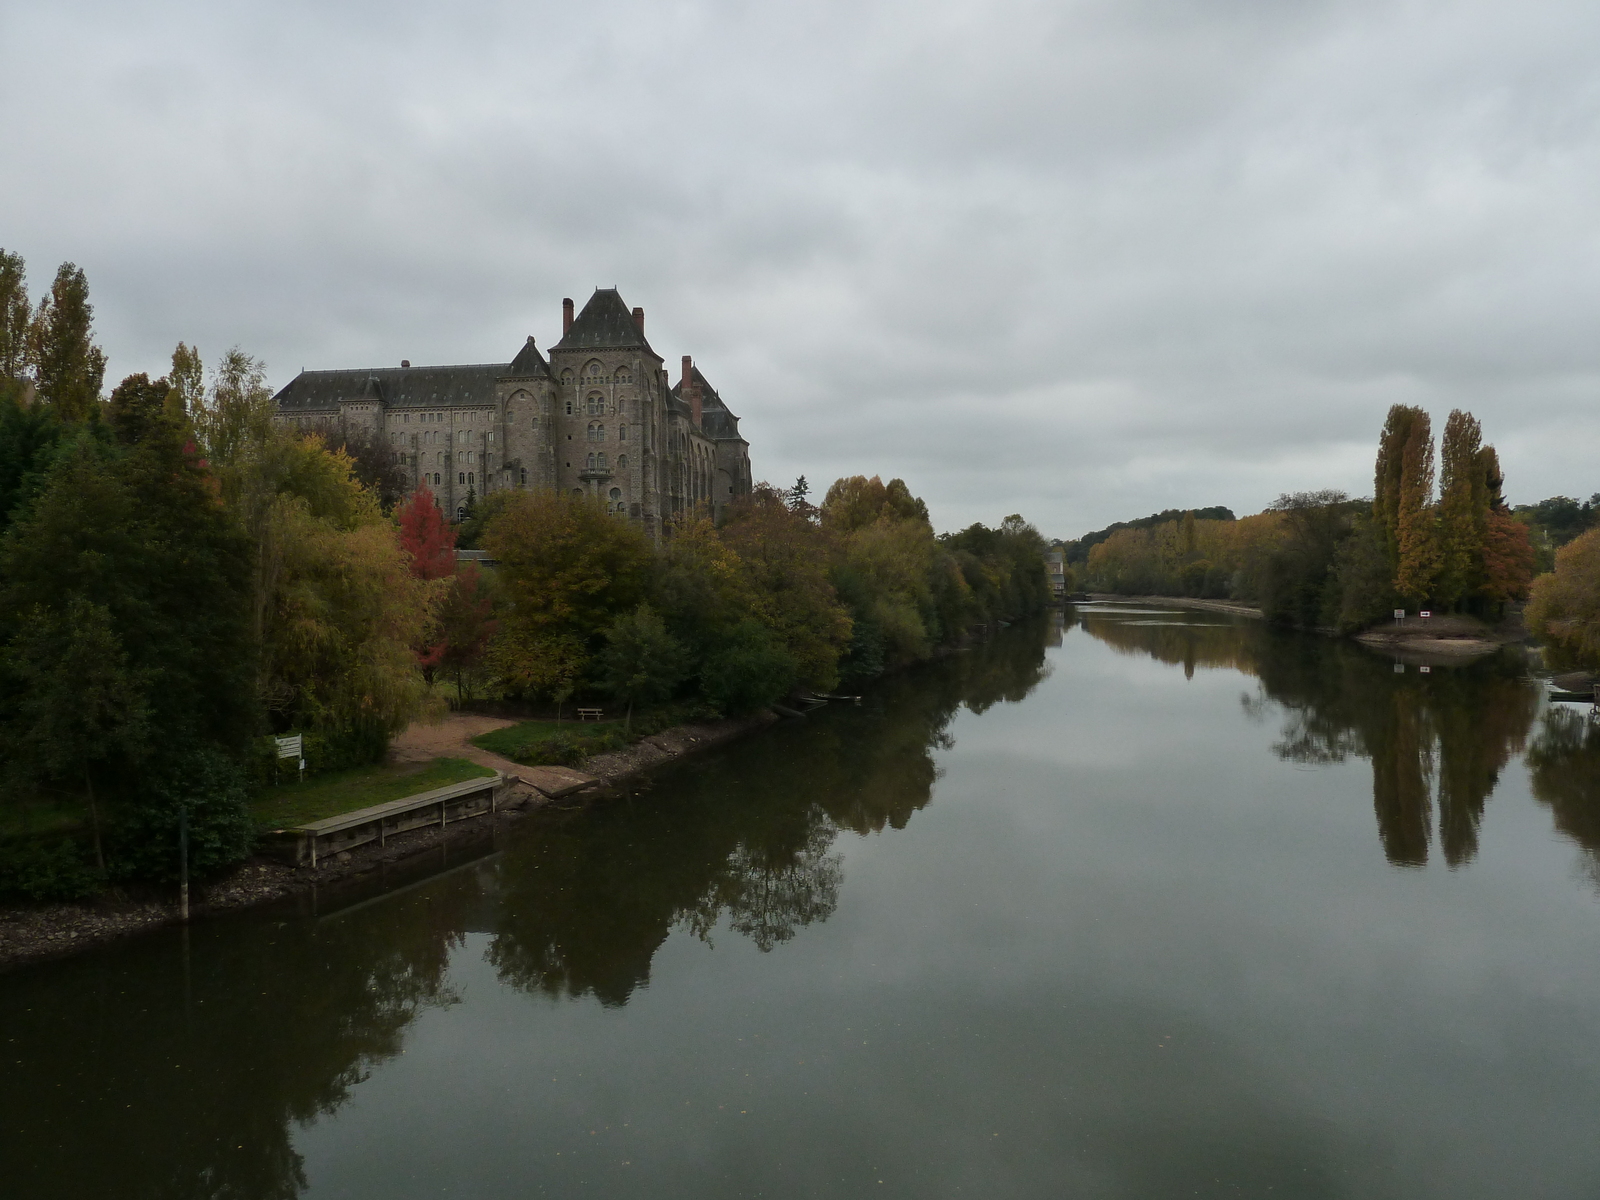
column 1389, row 476
column 14, row 314
column 1415, row 521
column 188, row 379
column 1463, row 510
column 68, row 367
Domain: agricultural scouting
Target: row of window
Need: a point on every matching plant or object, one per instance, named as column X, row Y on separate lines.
column 594, row 372
column 431, row 437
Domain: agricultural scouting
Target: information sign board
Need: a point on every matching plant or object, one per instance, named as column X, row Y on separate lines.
column 291, row 746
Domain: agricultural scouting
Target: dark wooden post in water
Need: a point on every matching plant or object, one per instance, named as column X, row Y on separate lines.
column 183, row 862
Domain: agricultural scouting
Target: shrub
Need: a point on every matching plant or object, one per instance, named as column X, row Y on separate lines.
column 144, row 842
column 38, row 869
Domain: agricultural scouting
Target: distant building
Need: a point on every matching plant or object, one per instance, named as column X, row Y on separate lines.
column 598, row 418
column 1055, row 566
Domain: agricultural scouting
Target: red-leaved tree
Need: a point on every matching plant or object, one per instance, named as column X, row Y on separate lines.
column 427, row 537
column 431, row 543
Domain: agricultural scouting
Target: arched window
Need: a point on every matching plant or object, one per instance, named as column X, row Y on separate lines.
column 600, row 461
column 600, row 432
column 461, row 477
column 566, row 376
column 622, row 433
column 590, row 464
column 624, row 375
column 524, row 476
column 622, row 462
column 469, row 478
column 590, row 434
column 597, row 404
column 461, row 514
column 569, row 408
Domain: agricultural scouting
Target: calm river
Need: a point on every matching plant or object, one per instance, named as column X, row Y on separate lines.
column 1150, row 904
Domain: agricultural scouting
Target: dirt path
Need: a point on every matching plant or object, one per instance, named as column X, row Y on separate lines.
column 452, row 738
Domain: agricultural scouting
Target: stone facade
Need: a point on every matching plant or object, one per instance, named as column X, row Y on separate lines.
column 598, row 418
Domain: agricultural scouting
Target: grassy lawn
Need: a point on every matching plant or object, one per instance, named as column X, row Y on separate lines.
column 513, row 740
column 343, row 791
column 41, row 814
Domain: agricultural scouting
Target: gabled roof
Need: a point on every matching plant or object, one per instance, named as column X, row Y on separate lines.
column 604, row 324
column 715, row 418
column 409, row 387
column 529, row 362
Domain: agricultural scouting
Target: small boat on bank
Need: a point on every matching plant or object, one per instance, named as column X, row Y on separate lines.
column 1575, row 685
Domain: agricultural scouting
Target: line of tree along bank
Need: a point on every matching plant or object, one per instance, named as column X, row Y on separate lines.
column 180, row 578
column 1321, row 559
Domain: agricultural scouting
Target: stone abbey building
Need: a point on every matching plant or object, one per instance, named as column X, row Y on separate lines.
column 598, row 418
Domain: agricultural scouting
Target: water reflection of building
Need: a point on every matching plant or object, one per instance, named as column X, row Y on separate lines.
column 1055, row 568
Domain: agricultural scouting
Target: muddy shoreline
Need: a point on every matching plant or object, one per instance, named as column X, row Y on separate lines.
column 35, row 932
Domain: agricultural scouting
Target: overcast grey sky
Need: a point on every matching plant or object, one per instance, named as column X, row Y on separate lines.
column 1078, row 260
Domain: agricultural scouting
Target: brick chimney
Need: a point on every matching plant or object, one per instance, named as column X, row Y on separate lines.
column 566, row 316
column 638, row 319
column 690, row 391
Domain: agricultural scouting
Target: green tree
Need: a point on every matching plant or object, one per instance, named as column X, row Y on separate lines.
column 1565, row 605
column 783, row 563
column 188, row 379
column 1463, row 510
column 1399, row 429
column 567, row 570
column 343, row 612
column 1417, row 543
column 15, row 316
column 68, row 367
column 29, row 438
column 642, row 663
column 139, row 408
column 750, row 669
column 80, row 709
column 126, row 572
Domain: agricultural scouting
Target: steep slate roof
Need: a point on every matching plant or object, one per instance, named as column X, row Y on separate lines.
column 605, row 323
column 397, row 387
column 715, row 417
column 529, row 362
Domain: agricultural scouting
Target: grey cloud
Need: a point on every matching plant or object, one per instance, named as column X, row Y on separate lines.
column 1080, row 260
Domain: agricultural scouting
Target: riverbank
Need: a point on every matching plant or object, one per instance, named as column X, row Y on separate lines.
column 1447, row 636
column 31, row 933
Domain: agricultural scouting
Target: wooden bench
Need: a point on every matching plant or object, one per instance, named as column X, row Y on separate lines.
column 590, row 714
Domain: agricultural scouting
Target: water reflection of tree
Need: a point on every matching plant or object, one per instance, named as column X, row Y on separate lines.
column 1439, row 740
column 1564, row 761
column 125, row 1082
column 742, row 840
column 1435, row 741
column 122, row 1081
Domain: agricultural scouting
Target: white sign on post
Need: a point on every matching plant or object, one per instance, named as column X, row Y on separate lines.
column 1424, row 614
column 1399, row 614
column 291, row 746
